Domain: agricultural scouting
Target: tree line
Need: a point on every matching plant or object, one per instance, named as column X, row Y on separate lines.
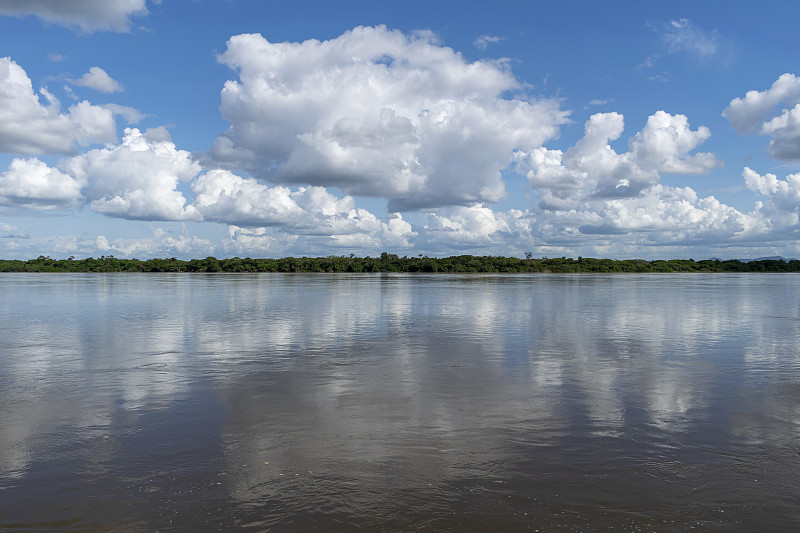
column 393, row 263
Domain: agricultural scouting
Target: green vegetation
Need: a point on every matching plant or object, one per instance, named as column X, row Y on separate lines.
column 392, row 263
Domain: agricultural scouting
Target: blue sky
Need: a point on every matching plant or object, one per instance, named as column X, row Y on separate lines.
column 186, row 128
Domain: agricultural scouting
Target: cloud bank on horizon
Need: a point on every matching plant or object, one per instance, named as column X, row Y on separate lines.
column 379, row 139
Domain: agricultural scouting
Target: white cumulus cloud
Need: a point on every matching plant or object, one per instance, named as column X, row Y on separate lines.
column 472, row 225
column 667, row 214
column 160, row 244
column 99, row 80
column 756, row 113
column 768, row 184
column 222, row 196
column 747, row 114
column 30, row 128
column 592, row 169
column 456, row 230
column 782, row 205
column 138, row 178
column 278, row 219
column 379, row 113
column 31, row 183
column 397, row 233
column 785, row 133
column 243, row 241
column 394, row 234
column 86, row 15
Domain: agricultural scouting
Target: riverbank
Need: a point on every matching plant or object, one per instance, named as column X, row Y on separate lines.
column 393, row 263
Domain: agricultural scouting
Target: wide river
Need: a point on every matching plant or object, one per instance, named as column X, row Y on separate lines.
column 293, row 402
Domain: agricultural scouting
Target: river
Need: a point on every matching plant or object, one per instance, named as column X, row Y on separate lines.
column 314, row 402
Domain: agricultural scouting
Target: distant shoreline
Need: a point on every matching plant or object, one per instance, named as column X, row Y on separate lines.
column 393, row 263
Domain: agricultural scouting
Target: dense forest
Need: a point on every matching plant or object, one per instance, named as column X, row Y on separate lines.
column 392, row 263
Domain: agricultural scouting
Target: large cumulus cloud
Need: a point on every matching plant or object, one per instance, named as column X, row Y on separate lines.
column 592, row 195
column 591, row 169
column 32, row 183
column 660, row 216
column 378, row 113
column 85, row 15
column 222, row 196
column 755, row 113
column 663, row 214
column 138, row 178
column 250, row 207
column 475, row 226
column 161, row 243
column 28, row 127
column 780, row 206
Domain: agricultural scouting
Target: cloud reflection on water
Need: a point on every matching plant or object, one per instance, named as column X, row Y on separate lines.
column 352, row 387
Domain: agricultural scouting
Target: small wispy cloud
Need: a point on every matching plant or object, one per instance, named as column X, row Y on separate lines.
column 484, row 40
column 7, row 231
column 56, row 58
column 683, row 36
column 648, row 62
column 69, row 92
column 130, row 114
column 99, row 80
column 597, row 102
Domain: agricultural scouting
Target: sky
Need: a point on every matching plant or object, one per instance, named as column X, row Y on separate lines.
column 194, row 128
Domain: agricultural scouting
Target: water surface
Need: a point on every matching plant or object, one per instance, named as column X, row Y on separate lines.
column 278, row 402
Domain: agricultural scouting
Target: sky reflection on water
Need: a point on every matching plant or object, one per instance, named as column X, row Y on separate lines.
column 399, row 402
